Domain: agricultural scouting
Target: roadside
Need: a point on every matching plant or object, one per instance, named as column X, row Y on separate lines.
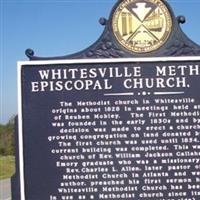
column 7, row 169
column 5, row 189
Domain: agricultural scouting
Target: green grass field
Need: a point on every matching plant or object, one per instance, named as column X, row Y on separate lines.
column 7, row 166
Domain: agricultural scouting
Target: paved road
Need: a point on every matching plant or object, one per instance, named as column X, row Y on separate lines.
column 5, row 191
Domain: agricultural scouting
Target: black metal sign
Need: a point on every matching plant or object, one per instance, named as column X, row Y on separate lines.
column 110, row 129
column 119, row 120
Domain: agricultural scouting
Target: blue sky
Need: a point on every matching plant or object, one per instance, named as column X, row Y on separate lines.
column 56, row 28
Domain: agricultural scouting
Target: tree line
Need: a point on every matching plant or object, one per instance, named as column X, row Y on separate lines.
column 7, row 142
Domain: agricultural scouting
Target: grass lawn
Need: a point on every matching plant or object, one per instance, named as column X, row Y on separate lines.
column 7, row 166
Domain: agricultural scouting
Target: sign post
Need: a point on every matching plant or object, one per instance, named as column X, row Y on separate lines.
column 123, row 127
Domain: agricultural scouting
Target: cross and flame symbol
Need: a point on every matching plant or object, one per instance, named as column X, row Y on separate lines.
column 142, row 28
column 142, row 25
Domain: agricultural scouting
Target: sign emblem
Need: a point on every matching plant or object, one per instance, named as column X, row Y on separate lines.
column 142, row 25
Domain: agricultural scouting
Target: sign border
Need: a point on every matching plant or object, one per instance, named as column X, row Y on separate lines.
column 20, row 65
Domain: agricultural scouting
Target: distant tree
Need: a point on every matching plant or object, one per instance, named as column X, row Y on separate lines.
column 7, row 145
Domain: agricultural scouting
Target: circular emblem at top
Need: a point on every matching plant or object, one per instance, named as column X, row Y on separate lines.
column 142, row 26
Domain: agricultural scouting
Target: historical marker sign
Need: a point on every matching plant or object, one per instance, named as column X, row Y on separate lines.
column 118, row 127
column 110, row 129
